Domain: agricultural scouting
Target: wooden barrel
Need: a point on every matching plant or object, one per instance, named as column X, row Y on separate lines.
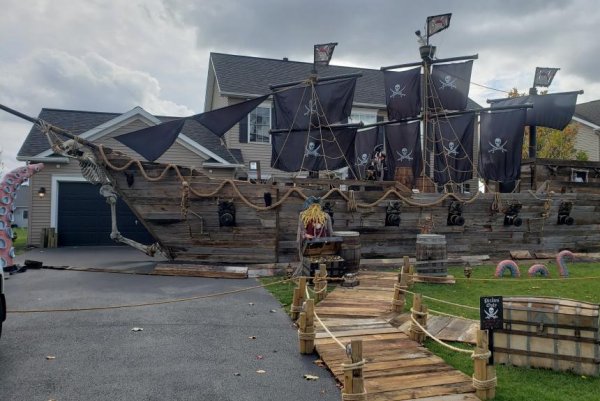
column 350, row 250
column 550, row 333
column 431, row 255
column 424, row 184
column 404, row 175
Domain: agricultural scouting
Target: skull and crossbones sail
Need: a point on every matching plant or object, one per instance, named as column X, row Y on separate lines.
column 403, row 144
column 403, row 91
column 453, row 156
column 450, row 85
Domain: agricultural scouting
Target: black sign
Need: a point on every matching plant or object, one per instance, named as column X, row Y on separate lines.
column 491, row 313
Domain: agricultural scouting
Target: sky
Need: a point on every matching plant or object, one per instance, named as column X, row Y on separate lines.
column 114, row 55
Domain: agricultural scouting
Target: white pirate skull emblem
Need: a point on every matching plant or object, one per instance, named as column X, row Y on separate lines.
column 497, row 145
column 448, row 82
column 311, row 108
column 404, row 155
column 397, row 91
column 491, row 313
column 312, row 150
column 452, row 149
column 363, row 160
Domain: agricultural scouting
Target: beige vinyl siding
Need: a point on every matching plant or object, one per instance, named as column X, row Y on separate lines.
column 588, row 141
column 39, row 213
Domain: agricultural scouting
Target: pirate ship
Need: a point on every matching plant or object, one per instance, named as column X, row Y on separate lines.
column 411, row 179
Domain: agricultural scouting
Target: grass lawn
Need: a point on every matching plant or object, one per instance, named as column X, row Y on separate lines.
column 20, row 243
column 514, row 384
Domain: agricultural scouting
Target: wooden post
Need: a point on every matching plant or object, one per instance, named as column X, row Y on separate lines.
column 298, row 298
column 354, row 386
column 484, row 375
column 400, row 292
column 409, row 270
column 306, row 327
column 419, row 313
column 320, row 281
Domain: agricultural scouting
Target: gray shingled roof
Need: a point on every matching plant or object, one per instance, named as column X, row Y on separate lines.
column 78, row 122
column 589, row 111
column 247, row 75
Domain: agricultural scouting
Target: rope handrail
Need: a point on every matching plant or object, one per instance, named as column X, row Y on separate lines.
column 324, row 326
column 438, row 300
column 437, row 340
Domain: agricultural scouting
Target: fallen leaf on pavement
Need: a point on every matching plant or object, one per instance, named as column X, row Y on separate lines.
column 259, row 357
column 252, row 337
column 273, row 311
column 260, row 371
column 237, row 374
column 137, row 329
column 311, row 377
column 319, row 362
column 50, row 357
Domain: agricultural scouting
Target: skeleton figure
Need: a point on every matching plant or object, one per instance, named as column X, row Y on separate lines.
column 363, row 160
column 397, row 91
column 497, row 145
column 405, row 155
column 491, row 313
column 311, row 108
column 452, row 149
column 448, row 82
column 312, row 150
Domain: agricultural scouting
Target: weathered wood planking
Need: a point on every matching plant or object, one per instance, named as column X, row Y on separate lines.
column 200, row 271
column 270, row 236
column 396, row 367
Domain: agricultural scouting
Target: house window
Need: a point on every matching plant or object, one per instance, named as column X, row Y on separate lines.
column 25, row 214
column 259, row 124
column 365, row 117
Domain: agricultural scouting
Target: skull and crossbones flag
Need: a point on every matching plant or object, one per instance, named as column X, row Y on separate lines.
column 364, row 147
column 453, row 159
column 501, row 141
column 437, row 23
column 449, row 85
column 403, row 144
column 327, row 149
column 323, row 53
column 403, row 93
column 311, row 107
column 553, row 110
column 544, row 76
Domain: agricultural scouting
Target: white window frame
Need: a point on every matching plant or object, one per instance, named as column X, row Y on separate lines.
column 365, row 112
column 266, row 105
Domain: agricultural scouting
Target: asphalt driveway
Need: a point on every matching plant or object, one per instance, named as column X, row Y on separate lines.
column 196, row 350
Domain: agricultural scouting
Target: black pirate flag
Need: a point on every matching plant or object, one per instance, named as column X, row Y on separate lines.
column 449, row 87
column 453, row 159
column 437, row 23
column 365, row 145
column 544, row 76
column 501, row 140
column 403, row 93
column 403, row 144
column 323, row 53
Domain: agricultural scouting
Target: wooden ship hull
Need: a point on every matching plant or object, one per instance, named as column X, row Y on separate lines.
column 187, row 225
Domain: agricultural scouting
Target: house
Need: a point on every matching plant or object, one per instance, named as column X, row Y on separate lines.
column 587, row 118
column 21, row 203
column 61, row 198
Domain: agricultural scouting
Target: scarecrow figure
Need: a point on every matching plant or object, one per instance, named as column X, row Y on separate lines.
column 313, row 221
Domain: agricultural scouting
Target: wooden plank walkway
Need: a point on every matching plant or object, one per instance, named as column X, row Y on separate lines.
column 396, row 367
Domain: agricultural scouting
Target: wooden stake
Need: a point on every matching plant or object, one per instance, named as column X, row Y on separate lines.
column 310, row 326
column 301, row 330
column 415, row 333
column 409, row 270
column 298, row 298
column 399, row 292
column 320, row 281
column 482, row 372
column 353, row 378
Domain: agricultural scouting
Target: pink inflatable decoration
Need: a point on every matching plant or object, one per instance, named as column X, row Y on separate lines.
column 510, row 265
column 562, row 265
column 538, row 269
column 10, row 183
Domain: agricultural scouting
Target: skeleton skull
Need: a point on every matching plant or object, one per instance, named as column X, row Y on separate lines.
column 364, row 157
column 451, row 145
column 404, row 151
column 311, row 146
column 397, row 87
column 498, row 141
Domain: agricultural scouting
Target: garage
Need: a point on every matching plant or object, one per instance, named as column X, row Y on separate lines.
column 84, row 217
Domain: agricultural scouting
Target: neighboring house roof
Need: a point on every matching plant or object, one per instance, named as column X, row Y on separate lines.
column 589, row 111
column 77, row 122
column 251, row 76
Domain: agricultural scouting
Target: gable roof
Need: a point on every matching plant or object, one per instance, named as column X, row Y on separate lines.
column 589, row 111
column 78, row 122
column 247, row 76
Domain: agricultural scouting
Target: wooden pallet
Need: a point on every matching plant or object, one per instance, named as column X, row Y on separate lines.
column 396, row 367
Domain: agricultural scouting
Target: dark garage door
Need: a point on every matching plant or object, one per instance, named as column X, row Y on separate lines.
column 84, row 217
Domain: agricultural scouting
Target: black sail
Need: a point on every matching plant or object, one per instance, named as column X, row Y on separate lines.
column 364, row 148
column 153, row 142
column 501, row 142
column 403, row 93
column 403, row 144
column 453, row 159
column 553, row 110
column 307, row 107
column 449, row 85
column 326, row 149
